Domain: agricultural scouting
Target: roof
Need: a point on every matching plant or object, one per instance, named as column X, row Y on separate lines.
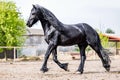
column 112, row 37
column 31, row 31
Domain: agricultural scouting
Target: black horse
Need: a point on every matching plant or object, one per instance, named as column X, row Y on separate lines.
column 59, row 34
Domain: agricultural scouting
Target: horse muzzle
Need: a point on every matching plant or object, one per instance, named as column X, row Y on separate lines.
column 28, row 24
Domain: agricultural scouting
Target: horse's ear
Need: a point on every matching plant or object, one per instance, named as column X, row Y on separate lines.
column 34, row 6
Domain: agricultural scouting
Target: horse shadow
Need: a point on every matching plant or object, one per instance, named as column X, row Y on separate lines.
column 94, row 72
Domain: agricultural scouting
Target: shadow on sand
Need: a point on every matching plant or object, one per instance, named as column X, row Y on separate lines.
column 114, row 72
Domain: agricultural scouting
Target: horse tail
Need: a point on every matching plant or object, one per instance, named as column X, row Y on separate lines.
column 93, row 40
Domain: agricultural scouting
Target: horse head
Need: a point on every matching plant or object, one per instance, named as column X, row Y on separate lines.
column 34, row 17
column 44, row 15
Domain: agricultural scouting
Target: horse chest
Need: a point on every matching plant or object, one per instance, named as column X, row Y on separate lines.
column 49, row 35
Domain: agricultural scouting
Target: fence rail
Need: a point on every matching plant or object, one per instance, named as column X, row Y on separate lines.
column 36, row 47
column 16, row 47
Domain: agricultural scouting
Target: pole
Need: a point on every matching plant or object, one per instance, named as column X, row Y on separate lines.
column 14, row 54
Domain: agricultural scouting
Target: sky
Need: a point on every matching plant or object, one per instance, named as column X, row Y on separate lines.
column 100, row 14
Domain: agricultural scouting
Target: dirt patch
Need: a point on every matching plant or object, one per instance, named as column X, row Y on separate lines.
column 31, row 71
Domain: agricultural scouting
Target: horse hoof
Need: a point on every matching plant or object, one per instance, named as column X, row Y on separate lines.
column 44, row 69
column 79, row 71
column 65, row 66
column 107, row 69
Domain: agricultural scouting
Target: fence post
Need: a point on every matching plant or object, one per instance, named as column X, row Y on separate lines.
column 14, row 54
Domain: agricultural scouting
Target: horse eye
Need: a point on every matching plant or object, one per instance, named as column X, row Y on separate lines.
column 33, row 13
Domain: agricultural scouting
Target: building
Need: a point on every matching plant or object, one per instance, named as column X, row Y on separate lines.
column 35, row 44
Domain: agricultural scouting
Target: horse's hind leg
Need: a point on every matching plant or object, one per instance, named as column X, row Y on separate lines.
column 61, row 65
column 83, row 57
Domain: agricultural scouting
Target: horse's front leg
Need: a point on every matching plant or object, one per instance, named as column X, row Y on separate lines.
column 61, row 65
column 48, row 52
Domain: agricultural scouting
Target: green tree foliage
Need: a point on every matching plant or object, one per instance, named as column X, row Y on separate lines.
column 110, row 31
column 118, row 45
column 104, row 40
column 12, row 26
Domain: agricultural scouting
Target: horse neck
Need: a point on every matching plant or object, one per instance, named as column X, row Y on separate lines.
column 52, row 19
column 57, row 25
column 45, row 26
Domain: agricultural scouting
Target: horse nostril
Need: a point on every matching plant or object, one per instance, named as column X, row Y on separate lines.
column 27, row 23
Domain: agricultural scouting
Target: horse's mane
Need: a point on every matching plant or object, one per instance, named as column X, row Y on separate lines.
column 49, row 16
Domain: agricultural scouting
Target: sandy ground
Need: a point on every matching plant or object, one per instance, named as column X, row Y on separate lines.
column 31, row 71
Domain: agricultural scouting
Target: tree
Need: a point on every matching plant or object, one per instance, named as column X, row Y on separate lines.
column 104, row 40
column 12, row 26
column 109, row 31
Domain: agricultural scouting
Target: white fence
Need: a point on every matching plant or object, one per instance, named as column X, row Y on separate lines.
column 15, row 48
column 34, row 50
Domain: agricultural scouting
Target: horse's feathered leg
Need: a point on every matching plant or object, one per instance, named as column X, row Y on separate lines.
column 48, row 52
column 83, row 57
column 61, row 65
